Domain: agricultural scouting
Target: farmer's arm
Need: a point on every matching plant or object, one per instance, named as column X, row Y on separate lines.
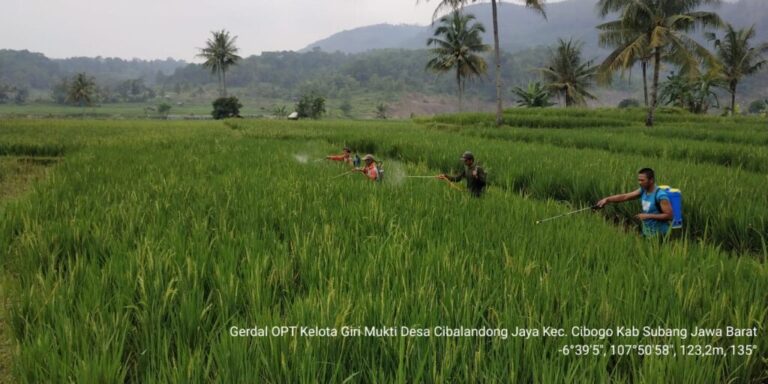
column 451, row 178
column 457, row 177
column 619, row 198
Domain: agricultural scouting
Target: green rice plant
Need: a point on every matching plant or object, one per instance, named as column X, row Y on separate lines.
column 720, row 204
column 141, row 251
column 751, row 158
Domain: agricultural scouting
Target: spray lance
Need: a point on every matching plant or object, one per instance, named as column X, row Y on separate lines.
column 566, row 214
column 344, row 174
column 450, row 183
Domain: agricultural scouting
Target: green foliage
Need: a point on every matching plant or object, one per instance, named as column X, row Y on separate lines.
column 696, row 94
column 568, row 74
column 4, row 93
column 629, row 103
column 458, row 43
column 654, row 31
column 535, row 96
column 381, row 111
column 283, row 75
column 13, row 94
column 542, row 118
column 126, row 267
column 737, row 57
column 346, row 107
column 311, row 105
column 280, row 111
column 22, row 95
column 758, row 106
column 133, row 91
column 226, row 107
column 220, row 53
column 164, row 109
column 81, row 90
column 749, row 158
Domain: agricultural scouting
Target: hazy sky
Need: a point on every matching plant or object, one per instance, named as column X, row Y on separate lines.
column 157, row 29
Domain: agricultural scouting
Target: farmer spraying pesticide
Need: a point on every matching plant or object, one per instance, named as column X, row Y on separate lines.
column 371, row 169
column 474, row 174
column 345, row 156
column 657, row 204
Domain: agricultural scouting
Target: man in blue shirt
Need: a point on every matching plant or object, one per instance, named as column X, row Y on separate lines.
column 657, row 210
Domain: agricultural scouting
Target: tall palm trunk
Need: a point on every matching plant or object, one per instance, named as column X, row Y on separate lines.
column 733, row 85
column 499, row 111
column 644, row 65
column 224, row 83
column 218, row 77
column 458, row 84
column 655, row 89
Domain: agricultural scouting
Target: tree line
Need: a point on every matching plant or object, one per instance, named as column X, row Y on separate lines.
column 650, row 34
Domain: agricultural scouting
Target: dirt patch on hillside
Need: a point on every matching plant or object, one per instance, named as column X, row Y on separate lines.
column 414, row 104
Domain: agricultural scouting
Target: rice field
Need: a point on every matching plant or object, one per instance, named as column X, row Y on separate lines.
column 155, row 251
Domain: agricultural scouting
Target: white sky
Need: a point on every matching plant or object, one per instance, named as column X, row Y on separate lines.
column 157, row 29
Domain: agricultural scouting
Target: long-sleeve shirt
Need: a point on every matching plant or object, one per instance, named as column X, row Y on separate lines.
column 475, row 185
column 345, row 157
column 371, row 172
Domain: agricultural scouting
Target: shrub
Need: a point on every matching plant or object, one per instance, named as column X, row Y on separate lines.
column 311, row 105
column 629, row 103
column 758, row 106
column 226, row 107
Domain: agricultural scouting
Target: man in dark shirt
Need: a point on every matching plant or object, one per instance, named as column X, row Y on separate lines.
column 475, row 175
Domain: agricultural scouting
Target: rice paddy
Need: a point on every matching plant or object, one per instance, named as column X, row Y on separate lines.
column 157, row 251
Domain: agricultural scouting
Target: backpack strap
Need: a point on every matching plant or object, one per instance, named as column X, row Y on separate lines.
column 658, row 206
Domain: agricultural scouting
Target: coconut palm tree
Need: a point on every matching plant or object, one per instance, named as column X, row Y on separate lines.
column 458, row 40
column 568, row 74
column 737, row 57
column 641, row 53
column 220, row 53
column 81, row 91
column 537, row 5
column 660, row 26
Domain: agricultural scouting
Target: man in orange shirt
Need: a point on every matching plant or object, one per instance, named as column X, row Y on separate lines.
column 345, row 157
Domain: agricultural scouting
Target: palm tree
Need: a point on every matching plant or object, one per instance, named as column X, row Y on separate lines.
column 220, row 53
column 660, row 26
column 641, row 53
column 81, row 91
column 457, row 41
column 738, row 58
column 568, row 74
column 537, row 5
